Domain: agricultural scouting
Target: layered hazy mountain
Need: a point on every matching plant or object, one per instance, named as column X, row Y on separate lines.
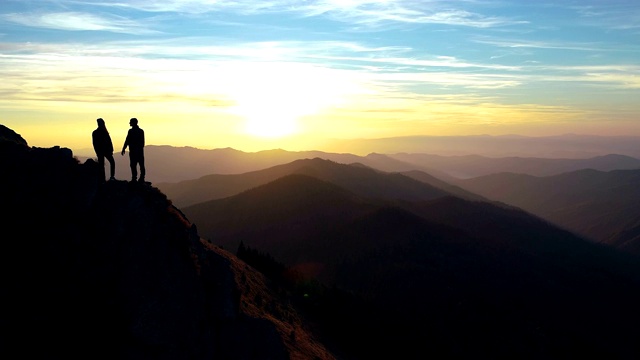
column 167, row 164
column 567, row 146
column 470, row 166
column 601, row 205
column 368, row 182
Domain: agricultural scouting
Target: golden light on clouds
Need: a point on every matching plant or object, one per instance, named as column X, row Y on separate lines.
column 251, row 105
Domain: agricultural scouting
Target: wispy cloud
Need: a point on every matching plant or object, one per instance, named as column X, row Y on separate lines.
column 412, row 12
column 77, row 21
column 123, row 71
column 614, row 15
column 539, row 44
column 611, row 76
column 360, row 12
column 431, row 62
column 448, row 79
column 618, row 76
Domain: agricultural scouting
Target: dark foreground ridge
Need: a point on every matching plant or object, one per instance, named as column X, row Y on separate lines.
column 113, row 270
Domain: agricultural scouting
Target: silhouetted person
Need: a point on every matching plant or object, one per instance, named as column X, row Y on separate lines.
column 135, row 142
column 103, row 147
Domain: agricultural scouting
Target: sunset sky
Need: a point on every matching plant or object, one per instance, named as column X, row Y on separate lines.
column 287, row 74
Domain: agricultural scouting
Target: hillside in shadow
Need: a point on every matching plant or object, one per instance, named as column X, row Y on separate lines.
column 114, row 270
column 444, row 277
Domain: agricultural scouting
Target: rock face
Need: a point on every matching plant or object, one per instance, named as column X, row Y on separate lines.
column 8, row 135
column 115, row 270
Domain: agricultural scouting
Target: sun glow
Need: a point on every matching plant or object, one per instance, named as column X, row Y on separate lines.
column 272, row 98
column 271, row 112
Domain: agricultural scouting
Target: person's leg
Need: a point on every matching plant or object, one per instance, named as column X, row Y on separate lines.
column 112, row 165
column 101, row 163
column 143, row 171
column 133, row 164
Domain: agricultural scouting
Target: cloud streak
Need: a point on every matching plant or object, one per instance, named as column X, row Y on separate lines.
column 361, row 12
column 77, row 21
column 506, row 43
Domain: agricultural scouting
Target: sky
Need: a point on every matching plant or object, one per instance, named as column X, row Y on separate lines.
column 293, row 74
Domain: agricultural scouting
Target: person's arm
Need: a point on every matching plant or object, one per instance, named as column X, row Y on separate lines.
column 109, row 143
column 94, row 141
column 126, row 143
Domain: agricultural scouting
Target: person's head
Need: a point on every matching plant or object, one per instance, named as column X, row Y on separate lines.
column 133, row 121
column 100, row 122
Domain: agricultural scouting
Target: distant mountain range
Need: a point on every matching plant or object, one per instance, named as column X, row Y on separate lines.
column 569, row 146
column 471, row 166
column 167, row 164
column 601, row 205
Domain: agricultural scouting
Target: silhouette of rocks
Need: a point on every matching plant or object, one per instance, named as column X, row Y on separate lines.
column 8, row 135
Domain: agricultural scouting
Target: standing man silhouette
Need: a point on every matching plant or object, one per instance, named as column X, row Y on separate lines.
column 103, row 147
column 135, row 142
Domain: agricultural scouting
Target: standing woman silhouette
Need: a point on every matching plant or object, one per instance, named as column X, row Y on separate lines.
column 103, row 147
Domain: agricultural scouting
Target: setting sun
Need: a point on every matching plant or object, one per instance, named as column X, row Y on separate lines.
column 270, row 112
column 271, row 98
column 273, row 126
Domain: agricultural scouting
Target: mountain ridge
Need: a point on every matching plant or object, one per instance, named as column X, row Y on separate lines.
column 363, row 180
